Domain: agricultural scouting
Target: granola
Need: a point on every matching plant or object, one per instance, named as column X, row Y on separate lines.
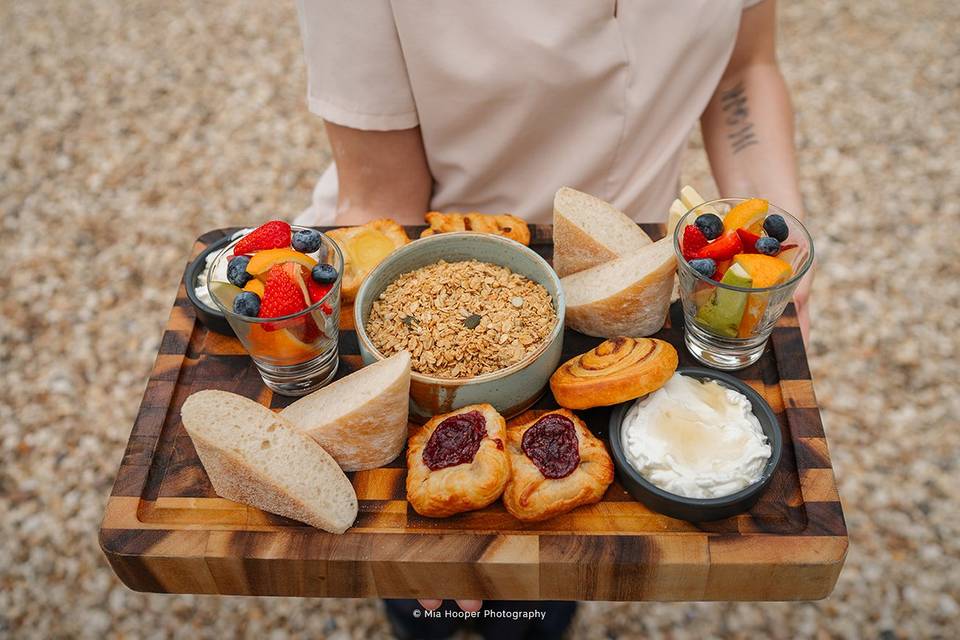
column 461, row 319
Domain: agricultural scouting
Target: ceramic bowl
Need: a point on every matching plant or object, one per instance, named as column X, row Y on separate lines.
column 511, row 390
column 697, row 509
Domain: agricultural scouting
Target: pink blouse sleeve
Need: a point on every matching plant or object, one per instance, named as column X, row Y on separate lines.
column 356, row 73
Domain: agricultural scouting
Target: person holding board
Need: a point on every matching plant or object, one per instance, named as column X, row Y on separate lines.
column 491, row 106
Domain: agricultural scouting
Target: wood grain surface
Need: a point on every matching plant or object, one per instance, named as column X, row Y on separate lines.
column 165, row 530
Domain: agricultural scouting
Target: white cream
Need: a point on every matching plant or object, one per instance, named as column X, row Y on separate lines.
column 695, row 439
column 219, row 272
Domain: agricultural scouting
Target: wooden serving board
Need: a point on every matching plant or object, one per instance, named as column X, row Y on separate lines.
column 165, row 530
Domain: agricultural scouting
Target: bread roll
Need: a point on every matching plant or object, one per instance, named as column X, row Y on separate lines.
column 588, row 231
column 625, row 297
column 361, row 420
column 254, row 456
column 615, row 371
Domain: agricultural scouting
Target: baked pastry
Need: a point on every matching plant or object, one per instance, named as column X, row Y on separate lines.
column 457, row 462
column 628, row 296
column 363, row 248
column 588, row 232
column 557, row 465
column 361, row 419
column 503, row 224
column 614, row 371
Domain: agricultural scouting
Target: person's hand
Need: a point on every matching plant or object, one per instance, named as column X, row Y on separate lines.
column 465, row 605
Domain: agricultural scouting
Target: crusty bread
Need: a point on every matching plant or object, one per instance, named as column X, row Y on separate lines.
column 363, row 248
column 587, row 232
column 629, row 296
column 254, row 456
column 360, row 420
column 615, row 371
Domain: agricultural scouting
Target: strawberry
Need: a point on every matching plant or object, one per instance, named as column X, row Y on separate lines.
column 317, row 291
column 748, row 240
column 693, row 242
column 281, row 296
column 272, row 235
column 723, row 248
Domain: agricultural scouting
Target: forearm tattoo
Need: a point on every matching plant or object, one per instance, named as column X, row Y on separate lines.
column 736, row 115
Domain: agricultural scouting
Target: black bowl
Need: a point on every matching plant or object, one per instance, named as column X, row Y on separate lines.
column 212, row 317
column 699, row 509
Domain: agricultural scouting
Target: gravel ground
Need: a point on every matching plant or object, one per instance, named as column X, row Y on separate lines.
column 127, row 128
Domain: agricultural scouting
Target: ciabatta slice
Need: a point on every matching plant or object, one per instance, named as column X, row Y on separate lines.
column 361, row 420
column 625, row 297
column 588, row 231
column 254, row 456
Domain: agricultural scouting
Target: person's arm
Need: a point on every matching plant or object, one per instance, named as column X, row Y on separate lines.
column 748, row 126
column 381, row 174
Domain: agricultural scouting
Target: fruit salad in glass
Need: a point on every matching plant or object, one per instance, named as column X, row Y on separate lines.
column 279, row 288
column 739, row 262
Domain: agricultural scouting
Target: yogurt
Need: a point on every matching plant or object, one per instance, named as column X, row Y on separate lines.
column 695, row 439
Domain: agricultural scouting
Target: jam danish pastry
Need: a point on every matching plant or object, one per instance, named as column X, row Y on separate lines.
column 557, row 465
column 457, row 462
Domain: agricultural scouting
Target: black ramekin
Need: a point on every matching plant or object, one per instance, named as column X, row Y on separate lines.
column 699, row 509
column 213, row 318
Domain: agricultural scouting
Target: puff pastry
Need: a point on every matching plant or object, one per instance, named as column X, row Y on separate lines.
column 577, row 463
column 614, row 371
column 457, row 462
column 504, row 224
column 363, row 248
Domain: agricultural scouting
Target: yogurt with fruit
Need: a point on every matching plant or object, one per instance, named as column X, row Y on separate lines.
column 696, row 439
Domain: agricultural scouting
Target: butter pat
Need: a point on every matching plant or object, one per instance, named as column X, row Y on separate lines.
column 696, row 439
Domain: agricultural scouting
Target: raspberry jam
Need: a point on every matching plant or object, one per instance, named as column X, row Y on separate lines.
column 455, row 441
column 552, row 445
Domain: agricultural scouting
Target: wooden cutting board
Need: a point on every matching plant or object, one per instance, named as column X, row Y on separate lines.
column 165, row 530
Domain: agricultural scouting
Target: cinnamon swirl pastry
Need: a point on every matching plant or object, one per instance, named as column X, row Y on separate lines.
column 617, row 370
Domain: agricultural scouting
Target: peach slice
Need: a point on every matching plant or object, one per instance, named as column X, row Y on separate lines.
column 261, row 261
column 766, row 271
column 748, row 215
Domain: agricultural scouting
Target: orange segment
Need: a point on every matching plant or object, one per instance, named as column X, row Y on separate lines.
column 766, row 271
column 255, row 286
column 280, row 346
column 748, row 215
column 261, row 261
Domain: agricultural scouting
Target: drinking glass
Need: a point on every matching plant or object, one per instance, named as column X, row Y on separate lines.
column 736, row 345
column 297, row 353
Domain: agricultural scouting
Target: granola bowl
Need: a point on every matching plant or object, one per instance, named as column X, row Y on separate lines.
column 482, row 316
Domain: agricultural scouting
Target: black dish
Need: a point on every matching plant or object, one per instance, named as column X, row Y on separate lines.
column 699, row 509
column 211, row 317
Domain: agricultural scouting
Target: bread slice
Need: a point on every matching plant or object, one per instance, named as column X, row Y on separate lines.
column 361, row 420
column 625, row 297
column 587, row 232
column 256, row 457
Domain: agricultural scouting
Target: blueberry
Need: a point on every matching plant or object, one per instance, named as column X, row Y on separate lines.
column 710, row 224
column 247, row 303
column 306, row 240
column 704, row 266
column 324, row 273
column 237, row 271
column 776, row 227
column 767, row 245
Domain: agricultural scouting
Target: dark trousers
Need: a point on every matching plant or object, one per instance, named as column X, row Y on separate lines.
column 501, row 620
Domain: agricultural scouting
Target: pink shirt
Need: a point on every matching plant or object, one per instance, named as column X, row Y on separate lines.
column 516, row 98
